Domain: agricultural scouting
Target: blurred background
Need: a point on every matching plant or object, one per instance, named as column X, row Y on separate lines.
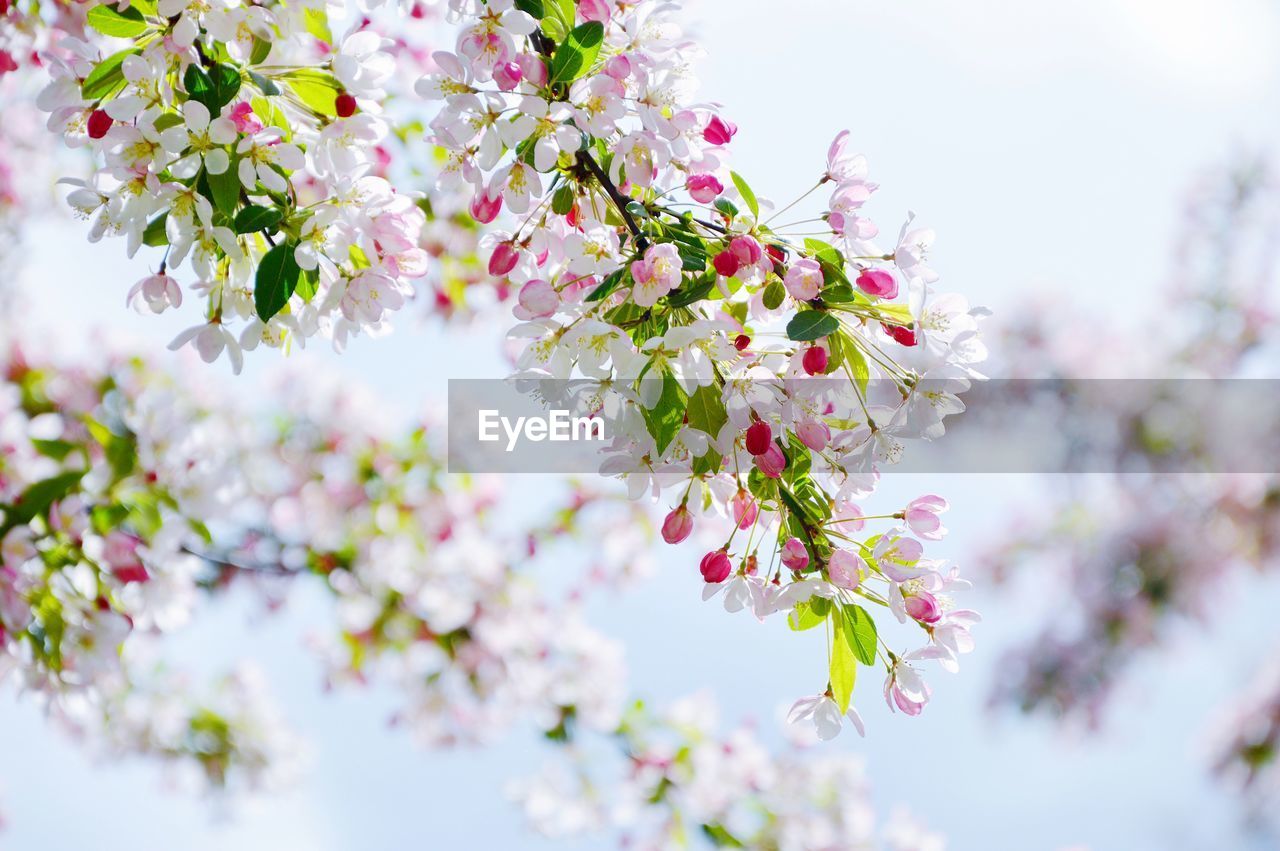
column 1053, row 148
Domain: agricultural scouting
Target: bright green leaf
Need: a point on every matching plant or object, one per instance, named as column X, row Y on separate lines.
column 859, row 633
column 225, row 188
column 126, row 24
column 844, row 666
column 667, row 416
column 255, row 218
column 748, row 197
column 575, row 56
column 706, row 410
column 106, row 78
column 803, row 617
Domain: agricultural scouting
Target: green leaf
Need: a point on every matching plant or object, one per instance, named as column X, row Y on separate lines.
column 562, row 201
column 532, row 8
column 706, row 410
column 271, row 115
column 317, row 23
column 748, row 197
column 691, row 292
column 264, row 85
column 166, row 120
column 126, row 24
column 844, row 666
column 608, row 285
column 55, row 449
column 255, row 218
column 199, row 85
column 811, row 325
column 857, row 362
column 225, row 188
column 37, row 498
column 226, row 84
column 261, row 50
column 575, row 56
column 720, row 837
column 155, row 234
column 724, row 205
column 895, row 314
column 308, row 282
column 774, row 294
column 804, row 617
column 859, row 633
column 667, row 416
column 106, row 78
column 276, row 281
column 316, row 89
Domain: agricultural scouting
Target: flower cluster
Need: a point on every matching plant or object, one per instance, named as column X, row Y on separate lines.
column 773, row 373
column 240, row 138
column 684, row 781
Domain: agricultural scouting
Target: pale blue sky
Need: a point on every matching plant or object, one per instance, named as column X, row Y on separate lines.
column 1050, row 146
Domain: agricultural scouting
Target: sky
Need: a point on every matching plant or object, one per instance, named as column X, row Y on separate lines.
column 1050, row 145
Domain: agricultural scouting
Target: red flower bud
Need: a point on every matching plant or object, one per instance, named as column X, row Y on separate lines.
column 99, row 124
column 345, row 105
column 901, row 335
column 726, row 263
column 815, row 360
column 741, row 342
column 759, row 438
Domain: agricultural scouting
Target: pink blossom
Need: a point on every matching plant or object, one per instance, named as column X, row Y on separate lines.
column 618, row 67
column 539, row 298
column 678, row 525
column 744, row 509
column 715, row 566
column 922, row 516
column 533, row 68
column 503, row 259
column 804, row 279
column 923, row 606
column 746, row 249
column 485, row 206
column 772, row 462
column 508, row 75
column 719, row 131
column 844, row 569
column 814, row 434
column 704, row 188
column 878, row 282
column 794, row 554
column 245, row 119
column 593, row 10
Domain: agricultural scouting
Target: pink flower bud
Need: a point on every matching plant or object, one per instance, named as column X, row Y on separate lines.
column 345, row 105
column 878, row 282
column 704, row 188
column 746, row 249
column 924, row 607
column 759, row 438
column 485, row 207
column 843, row 569
column 715, row 566
column 815, row 360
column 677, row 526
column 814, row 434
column 533, row 68
column 773, row 462
column 503, row 259
column 794, row 555
column 539, row 298
column 922, row 516
column 619, row 67
column 726, row 264
column 593, row 10
column 99, row 124
column 719, row 131
column 245, row 119
column 507, row 75
column 744, row 509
